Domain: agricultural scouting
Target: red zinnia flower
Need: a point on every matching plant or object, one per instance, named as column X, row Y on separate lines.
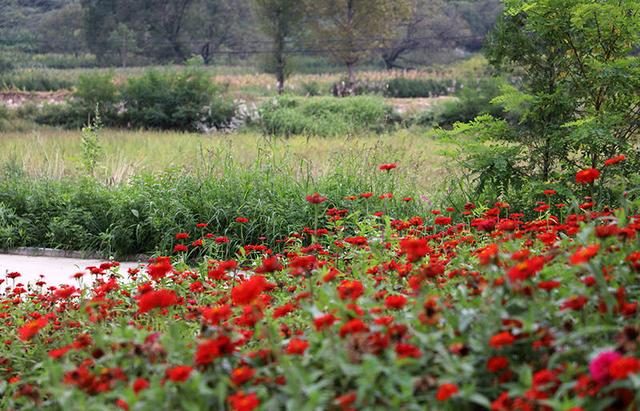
column 350, row 290
column 159, row 268
column 615, row 160
column 316, row 198
column 404, row 350
column 139, row 385
column 29, row 330
column 587, row 176
column 497, row 363
column 622, row 367
column 243, row 402
column 242, row 220
column 445, row 391
column 388, row 167
column 182, row 236
column 414, row 248
column 179, row 374
column 209, row 350
column 297, row 346
column 584, row 254
column 501, row 340
column 246, row 292
column 242, row 375
column 395, row 302
column 157, row 299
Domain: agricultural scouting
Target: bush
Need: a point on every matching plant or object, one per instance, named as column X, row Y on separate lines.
column 473, row 100
column 326, row 116
column 183, row 100
column 4, row 117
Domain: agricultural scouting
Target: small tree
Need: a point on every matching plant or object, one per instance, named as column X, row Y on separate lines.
column 352, row 30
column 280, row 20
column 123, row 41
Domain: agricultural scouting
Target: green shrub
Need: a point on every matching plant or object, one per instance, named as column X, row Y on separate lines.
column 174, row 100
column 325, row 116
column 473, row 100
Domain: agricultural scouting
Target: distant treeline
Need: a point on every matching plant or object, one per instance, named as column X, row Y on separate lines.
column 139, row 32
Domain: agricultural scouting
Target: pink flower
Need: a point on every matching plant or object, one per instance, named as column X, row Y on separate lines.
column 599, row 366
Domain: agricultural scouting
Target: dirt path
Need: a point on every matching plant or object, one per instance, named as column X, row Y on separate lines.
column 54, row 270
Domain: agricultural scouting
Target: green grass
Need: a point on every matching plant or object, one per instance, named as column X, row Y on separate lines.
column 58, row 154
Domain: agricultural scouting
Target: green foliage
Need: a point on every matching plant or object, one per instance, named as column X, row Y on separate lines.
column 143, row 215
column 174, row 100
column 325, row 116
column 91, row 150
column 575, row 102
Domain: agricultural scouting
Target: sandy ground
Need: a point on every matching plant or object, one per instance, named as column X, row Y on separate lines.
column 54, row 271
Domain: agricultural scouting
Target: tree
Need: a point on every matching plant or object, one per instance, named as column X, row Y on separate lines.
column 352, row 30
column 123, row 41
column 166, row 20
column 577, row 98
column 280, row 20
column 430, row 25
column 62, row 31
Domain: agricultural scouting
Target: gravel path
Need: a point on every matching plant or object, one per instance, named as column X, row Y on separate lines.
column 55, row 271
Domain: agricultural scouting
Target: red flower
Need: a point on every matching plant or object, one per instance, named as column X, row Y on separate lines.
column 242, row 220
column 584, row 254
column 269, row 265
column 297, row 346
column 182, row 236
column 324, row 321
column 209, row 350
column 159, row 268
column 354, row 326
column 216, row 315
column 29, row 330
column 622, row 367
column 57, row 353
column 442, row 220
column 550, row 192
column 140, row 384
column 350, row 290
column 242, row 375
column 548, row 285
column 179, row 374
column 180, row 248
column 388, row 167
column 283, row 310
column 395, row 302
column 587, row 176
column 414, row 248
column 501, row 340
column 157, row 299
column 574, row 303
column 316, row 198
column 404, row 350
column 615, row 160
column 445, row 391
column 246, row 292
column 497, row 363
column 243, row 402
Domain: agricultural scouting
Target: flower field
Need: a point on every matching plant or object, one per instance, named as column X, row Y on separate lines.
column 483, row 307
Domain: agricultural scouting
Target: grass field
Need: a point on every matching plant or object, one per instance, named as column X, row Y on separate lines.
column 58, row 154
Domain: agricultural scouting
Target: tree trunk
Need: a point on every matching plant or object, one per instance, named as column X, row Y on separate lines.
column 352, row 75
